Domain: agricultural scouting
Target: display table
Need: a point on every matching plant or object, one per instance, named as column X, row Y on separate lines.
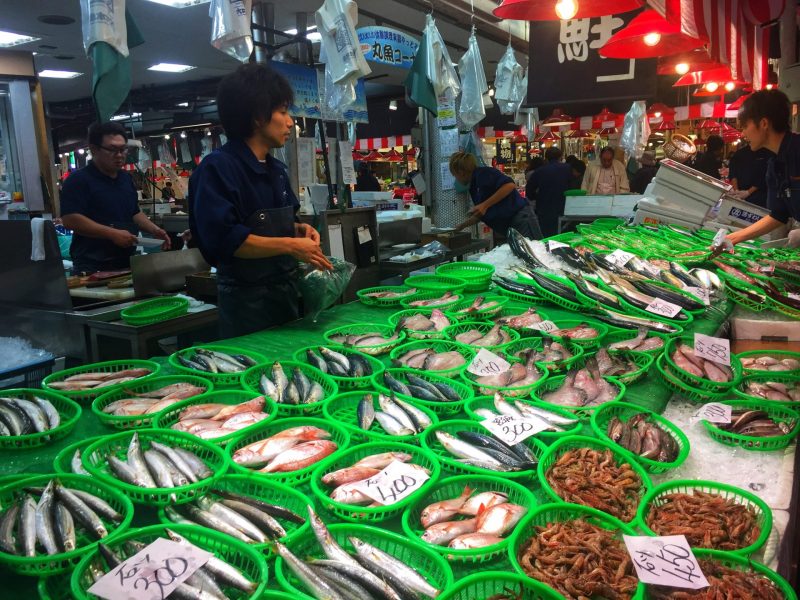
column 102, row 293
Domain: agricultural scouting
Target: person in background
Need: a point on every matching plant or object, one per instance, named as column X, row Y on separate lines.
column 167, row 192
column 642, row 178
column 710, row 161
column 549, row 184
column 366, row 181
column 531, row 165
column 578, row 171
column 748, row 174
column 100, row 205
column 606, row 177
column 242, row 210
column 497, row 203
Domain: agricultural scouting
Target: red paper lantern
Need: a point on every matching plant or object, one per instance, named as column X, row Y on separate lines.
column 545, row 10
column 648, row 35
column 760, row 12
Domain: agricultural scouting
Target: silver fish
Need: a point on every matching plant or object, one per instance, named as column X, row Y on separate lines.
column 234, row 518
column 365, row 412
column 176, row 459
column 77, row 465
column 462, row 449
column 65, row 527
column 199, row 468
column 263, row 520
column 137, row 462
column 225, row 574
column 45, row 528
column 336, row 357
column 391, row 425
column 80, row 511
column 281, row 381
column 387, row 562
column 53, row 416
column 395, row 411
column 213, row 521
column 159, row 468
column 27, row 526
column 320, row 588
column 7, row 524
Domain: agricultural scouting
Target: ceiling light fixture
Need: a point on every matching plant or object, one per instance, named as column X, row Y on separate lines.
column 81, row 151
column 682, row 68
column 134, row 115
column 170, row 68
column 652, row 38
column 769, row 86
column 566, row 9
column 166, row 136
column 183, row 104
column 712, row 86
column 730, row 86
column 312, row 35
column 9, row 39
column 392, row 104
column 180, row 3
column 183, row 134
column 59, row 74
column 206, row 124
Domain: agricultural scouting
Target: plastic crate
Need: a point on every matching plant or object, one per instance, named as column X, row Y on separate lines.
column 696, row 395
column 32, row 374
column 62, row 461
column 489, row 584
column 436, row 283
column 477, row 315
column 509, row 390
column 68, row 410
column 250, row 382
column 451, row 301
column 777, row 354
column 702, row 383
column 582, row 412
column 477, row 275
column 622, row 335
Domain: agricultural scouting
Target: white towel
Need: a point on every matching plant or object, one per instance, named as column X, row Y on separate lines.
column 37, row 239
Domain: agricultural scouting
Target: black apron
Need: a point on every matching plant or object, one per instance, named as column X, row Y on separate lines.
column 104, row 255
column 257, row 293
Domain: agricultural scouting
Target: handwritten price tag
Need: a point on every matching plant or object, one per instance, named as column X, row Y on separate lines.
column 714, row 412
column 394, row 483
column 619, row 257
column 488, row 363
column 663, row 308
column 794, row 296
column 666, row 560
column 552, row 245
column 512, row 430
column 152, row 573
column 717, row 350
column 546, row 326
column 700, row 293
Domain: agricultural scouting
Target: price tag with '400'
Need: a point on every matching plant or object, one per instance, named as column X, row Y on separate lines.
column 665, row 560
column 488, row 363
column 394, row 483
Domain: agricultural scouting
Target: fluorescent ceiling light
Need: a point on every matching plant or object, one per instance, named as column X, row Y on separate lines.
column 9, row 39
column 126, row 117
column 180, row 3
column 170, row 68
column 59, row 74
column 192, row 125
column 183, row 104
column 312, row 35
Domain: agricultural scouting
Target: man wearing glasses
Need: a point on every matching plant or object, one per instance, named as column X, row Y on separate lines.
column 99, row 203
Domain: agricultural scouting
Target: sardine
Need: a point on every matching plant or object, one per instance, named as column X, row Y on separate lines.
column 387, row 563
column 45, row 527
column 80, row 510
column 7, row 524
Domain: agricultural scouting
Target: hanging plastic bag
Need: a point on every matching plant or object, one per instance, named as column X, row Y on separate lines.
column 635, row 130
column 473, row 84
column 144, row 161
column 320, row 289
column 336, row 23
column 104, row 22
column 230, row 27
column 440, row 70
column 472, row 144
column 510, row 82
column 338, row 96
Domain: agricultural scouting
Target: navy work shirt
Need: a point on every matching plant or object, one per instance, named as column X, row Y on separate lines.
column 749, row 168
column 225, row 190
column 485, row 182
column 110, row 201
column 783, row 180
column 548, row 183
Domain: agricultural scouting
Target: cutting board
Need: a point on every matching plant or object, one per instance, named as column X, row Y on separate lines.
column 102, row 293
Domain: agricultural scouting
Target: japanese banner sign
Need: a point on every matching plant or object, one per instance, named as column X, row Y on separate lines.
column 568, row 51
column 387, row 46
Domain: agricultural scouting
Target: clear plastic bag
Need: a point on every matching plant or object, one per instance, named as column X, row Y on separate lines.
column 440, row 70
column 336, row 22
column 104, row 21
column 635, row 130
column 508, row 83
column 230, row 27
column 473, row 84
column 320, row 289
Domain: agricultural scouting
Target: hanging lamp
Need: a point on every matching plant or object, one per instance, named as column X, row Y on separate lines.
column 664, row 126
column 374, row 155
column 558, row 119
column 687, row 62
column 393, row 156
column 720, row 75
column 553, row 10
column 648, row 35
column 547, row 137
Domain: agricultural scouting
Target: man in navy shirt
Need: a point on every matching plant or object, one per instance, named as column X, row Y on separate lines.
column 748, row 174
column 99, row 203
column 548, row 184
column 242, row 210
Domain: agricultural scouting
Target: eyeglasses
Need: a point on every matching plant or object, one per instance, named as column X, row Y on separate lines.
column 121, row 150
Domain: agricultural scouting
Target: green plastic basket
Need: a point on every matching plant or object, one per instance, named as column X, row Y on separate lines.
column 478, row 275
column 436, row 283
column 515, row 348
column 553, row 298
column 62, row 461
column 169, row 416
column 426, row 562
column 438, row 346
column 511, row 390
column 237, row 554
column 443, row 409
column 736, row 289
column 490, row 584
column 55, row 587
column 43, row 564
column 452, row 487
column 155, row 310
column 656, row 497
column 487, row 402
column 339, row 435
column 95, row 461
column 250, row 381
column 476, row 315
column 451, row 301
column 624, row 411
column 643, row 360
column 679, row 387
column 777, row 354
column 582, row 412
column 343, row 409
column 218, row 379
column 517, row 297
column 411, row 334
column 701, row 382
column 777, row 377
column 140, row 421
column 270, row 492
column 621, row 335
column 451, row 466
column 565, row 444
column 558, row 512
column 68, row 410
column 110, row 366
column 482, row 326
column 360, row 328
column 777, row 411
column 346, row 383
column 371, row 301
column 585, row 343
column 514, row 309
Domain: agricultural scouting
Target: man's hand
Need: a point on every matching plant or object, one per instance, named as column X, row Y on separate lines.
column 478, row 210
column 123, row 238
column 305, row 230
column 308, row 251
column 163, row 235
column 725, row 246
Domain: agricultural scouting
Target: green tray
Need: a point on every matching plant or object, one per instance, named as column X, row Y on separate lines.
column 443, row 409
column 581, row 412
column 701, row 382
column 69, row 411
column 489, row 583
column 237, row 554
column 477, row 315
column 585, row 343
column 696, row 395
column 559, row 512
column 346, row 383
column 94, row 461
column 620, row 335
column 339, row 435
column 623, row 410
column 643, row 360
column 169, row 416
column 452, row 487
column 43, row 564
column 359, row 328
column 110, row 366
column 478, row 275
column 482, row 326
column 343, row 409
column 546, row 436
column 410, row 334
column 250, row 382
column 438, row 346
column 155, row 310
column 436, row 283
column 654, row 497
column 524, row 343
column 554, row 452
column 140, row 421
column 778, row 354
column 370, row 301
column 774, row 376
column 61, row 463
column 425, row 561
column 453, row 300
column 451, row 466
column 512, row 390
column 778, row 411
column 218, row 379
column 358, row 514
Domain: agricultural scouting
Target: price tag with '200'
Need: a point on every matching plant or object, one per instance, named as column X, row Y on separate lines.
column 715, row 349
column 488, row 363
column 394, row 483
column 546, row 326
column 714, row 412
column 663, row 308
column 512, row 430
column 665, row 560
column 152, row 573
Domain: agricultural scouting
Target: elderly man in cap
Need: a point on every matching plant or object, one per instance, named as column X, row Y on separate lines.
column 641, row 179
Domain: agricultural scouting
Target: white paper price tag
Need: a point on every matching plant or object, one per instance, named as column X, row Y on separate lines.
column 768, row 270
column 394, row 483
column 152, row 573
column 488, row 363
column 794, row 296
column 666, row 560
column 619, row 257
column 701, row 293
column 714, row 412
column 552, row 245
column 663, row 308
column 512, row 430
column 546, row 326
column 717, row 350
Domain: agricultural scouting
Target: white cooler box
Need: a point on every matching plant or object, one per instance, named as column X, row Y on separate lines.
column 693, row 191
column 651, row 212
column 591, row 206
column 378, row 200
column 739, row 212
column 623, row 204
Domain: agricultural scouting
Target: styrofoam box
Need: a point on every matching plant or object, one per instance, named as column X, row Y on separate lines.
column 588, row 205
column 767, row 325
column 379, row 200
column 652, row 212
column 690, row 182
column 623, row 204
column 739, row 212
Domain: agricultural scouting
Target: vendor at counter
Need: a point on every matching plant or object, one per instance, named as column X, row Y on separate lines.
column 242, row 210
column 100, row 205
column 497, row 202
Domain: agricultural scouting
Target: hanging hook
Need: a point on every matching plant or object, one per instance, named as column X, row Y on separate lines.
column 472, row 16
